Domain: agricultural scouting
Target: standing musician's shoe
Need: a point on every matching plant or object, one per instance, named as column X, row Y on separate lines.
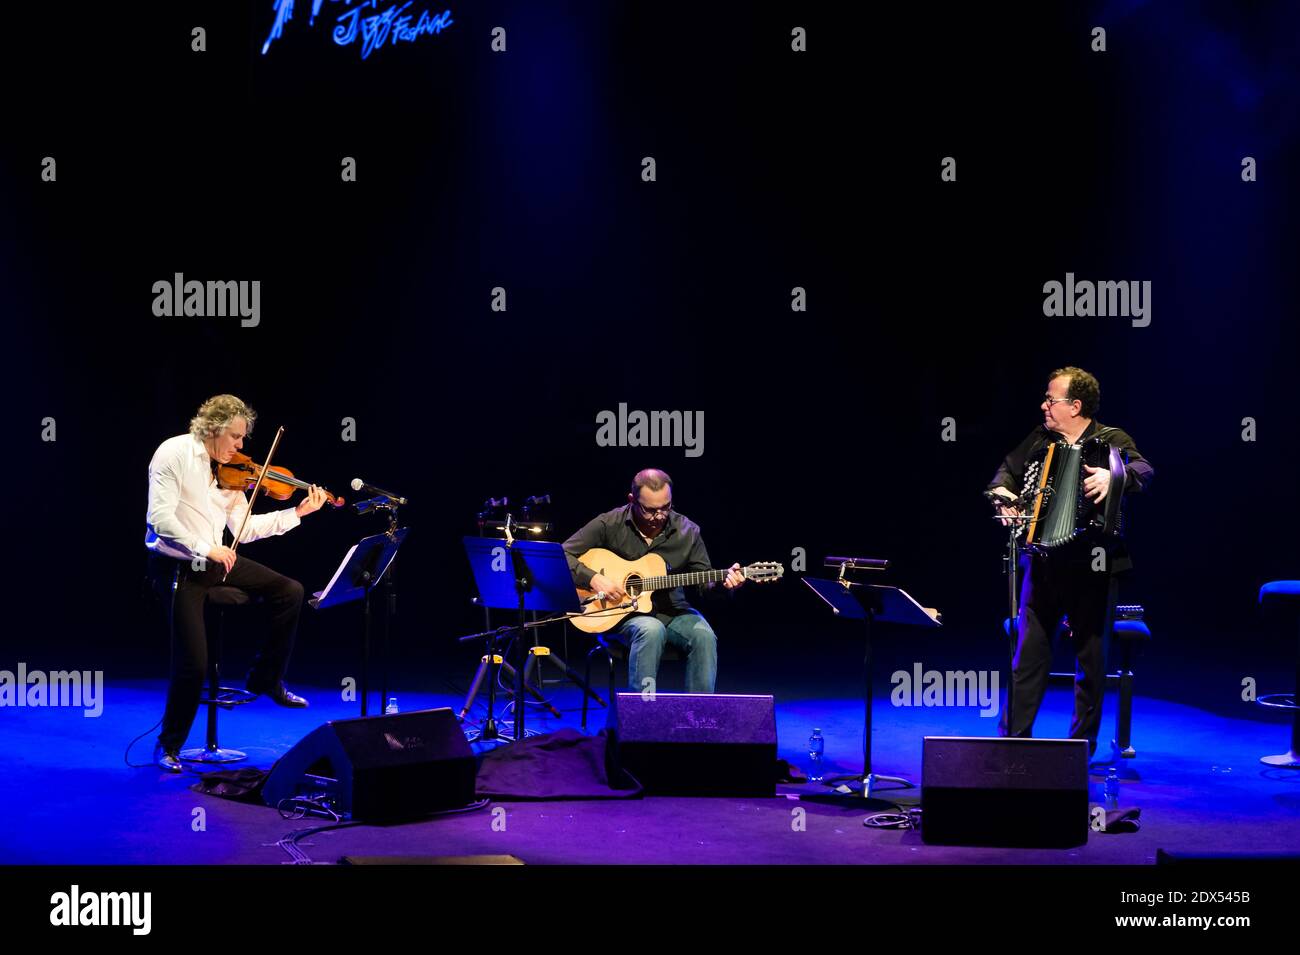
column 278, row 694
column 168, row 759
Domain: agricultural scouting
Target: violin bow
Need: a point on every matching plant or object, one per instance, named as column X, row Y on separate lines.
column 266, row 465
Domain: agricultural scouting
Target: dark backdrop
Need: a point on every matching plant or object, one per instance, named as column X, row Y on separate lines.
column 775, row 170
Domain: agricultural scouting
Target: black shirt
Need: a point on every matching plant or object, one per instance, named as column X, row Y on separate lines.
column 1139, row 472
column 1011, row 474
column 679, row 544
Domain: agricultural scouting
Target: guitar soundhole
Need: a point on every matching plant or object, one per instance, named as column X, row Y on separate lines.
column 633, row 586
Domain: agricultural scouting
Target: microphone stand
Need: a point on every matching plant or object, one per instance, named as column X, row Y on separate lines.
column 494, row 662
column 495, row 516
column 390, row 506
column 1015, row 524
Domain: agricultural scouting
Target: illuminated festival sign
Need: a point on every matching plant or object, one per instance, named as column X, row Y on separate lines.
column 392, row 24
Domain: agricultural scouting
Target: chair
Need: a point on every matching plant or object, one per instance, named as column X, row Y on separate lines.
column 614, row 650
column 1283, row 596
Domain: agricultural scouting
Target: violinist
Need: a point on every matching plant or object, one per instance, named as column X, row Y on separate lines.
column 188, row 510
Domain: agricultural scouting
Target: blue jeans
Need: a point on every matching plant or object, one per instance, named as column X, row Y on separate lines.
column 646, row 635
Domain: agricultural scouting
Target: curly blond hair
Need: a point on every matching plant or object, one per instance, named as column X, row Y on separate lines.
column 217, row 412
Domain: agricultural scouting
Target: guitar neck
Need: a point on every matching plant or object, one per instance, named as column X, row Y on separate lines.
column 673, row 581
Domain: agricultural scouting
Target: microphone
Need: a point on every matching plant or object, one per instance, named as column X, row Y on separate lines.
column 593, row 598
column 360, row 485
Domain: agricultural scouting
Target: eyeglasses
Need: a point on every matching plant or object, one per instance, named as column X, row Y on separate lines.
column 655, row 511
column 1051, row 401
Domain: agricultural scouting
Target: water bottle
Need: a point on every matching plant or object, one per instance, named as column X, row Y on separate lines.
column 391, row 708
column 1112, row 789
column 816, row 748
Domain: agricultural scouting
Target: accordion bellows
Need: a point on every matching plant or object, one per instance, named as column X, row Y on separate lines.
column 1060, row 513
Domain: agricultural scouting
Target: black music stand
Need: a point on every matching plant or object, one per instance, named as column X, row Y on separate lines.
column 868, row 603
column 355, row 579
column 525, row 575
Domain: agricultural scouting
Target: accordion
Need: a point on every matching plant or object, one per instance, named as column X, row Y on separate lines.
column 1053, row 497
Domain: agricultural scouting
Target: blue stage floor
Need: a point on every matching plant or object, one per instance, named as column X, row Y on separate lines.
column 68, row 797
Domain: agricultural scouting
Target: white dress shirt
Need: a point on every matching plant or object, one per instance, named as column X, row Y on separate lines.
column 187, row 510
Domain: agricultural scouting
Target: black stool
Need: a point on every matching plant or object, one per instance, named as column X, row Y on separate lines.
column 615, row 650
column 218, row 697
column 1284, row 595
column 1130, row 630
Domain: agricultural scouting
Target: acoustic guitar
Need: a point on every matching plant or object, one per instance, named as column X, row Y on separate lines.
column 642, row 577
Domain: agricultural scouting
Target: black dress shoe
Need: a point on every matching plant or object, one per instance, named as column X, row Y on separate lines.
column 278, row 694
column 168, row 759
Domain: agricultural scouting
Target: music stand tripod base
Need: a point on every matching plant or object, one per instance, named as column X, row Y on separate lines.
column 870, row 780
column 854, row 601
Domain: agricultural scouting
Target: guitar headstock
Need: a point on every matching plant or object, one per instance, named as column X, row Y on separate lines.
column 764, row 571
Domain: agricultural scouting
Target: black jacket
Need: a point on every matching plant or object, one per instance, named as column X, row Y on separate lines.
column 1011, row 473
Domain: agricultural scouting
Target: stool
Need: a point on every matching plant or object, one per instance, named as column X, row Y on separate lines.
column 1284, row 596
column 614, row 650
column 219, row 697
column 1129, row 630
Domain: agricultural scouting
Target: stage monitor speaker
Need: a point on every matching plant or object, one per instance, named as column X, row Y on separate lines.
column 383, row 768
column 979, row 791
column 695, row 744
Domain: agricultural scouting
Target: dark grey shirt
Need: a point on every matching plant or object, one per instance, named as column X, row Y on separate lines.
column 679, row 544
column 1138, row 474
column 1011, row 473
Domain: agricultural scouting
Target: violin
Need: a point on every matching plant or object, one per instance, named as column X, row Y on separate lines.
column 242, row 472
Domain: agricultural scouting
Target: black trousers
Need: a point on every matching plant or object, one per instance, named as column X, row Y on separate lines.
column 1058, row 586
column 281, row 595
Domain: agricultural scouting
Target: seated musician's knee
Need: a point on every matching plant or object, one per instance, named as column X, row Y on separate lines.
column 697, row 631
column 704, row 640
column 645, row 631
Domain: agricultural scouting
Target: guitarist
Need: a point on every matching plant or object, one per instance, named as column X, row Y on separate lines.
column 647, row 523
